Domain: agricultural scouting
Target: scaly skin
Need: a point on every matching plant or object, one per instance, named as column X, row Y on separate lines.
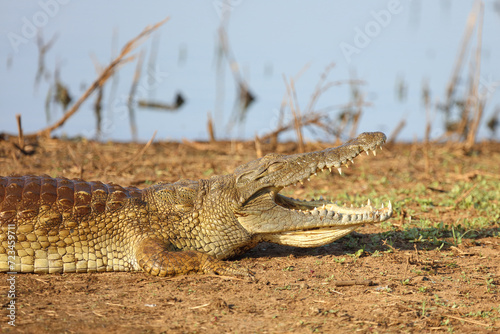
column 58, row 225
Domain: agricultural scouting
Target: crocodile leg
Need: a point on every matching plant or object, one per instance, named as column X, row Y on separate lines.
column 154, row 257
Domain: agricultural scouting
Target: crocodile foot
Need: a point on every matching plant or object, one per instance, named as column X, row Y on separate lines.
column 154, row 258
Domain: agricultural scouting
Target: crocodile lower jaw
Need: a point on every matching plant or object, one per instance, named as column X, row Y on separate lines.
column 342, row 213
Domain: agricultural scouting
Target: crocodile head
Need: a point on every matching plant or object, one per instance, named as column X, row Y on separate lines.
column 226, row 215
column 273, row 217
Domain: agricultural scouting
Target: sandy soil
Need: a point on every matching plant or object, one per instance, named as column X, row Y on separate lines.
column 404, row 284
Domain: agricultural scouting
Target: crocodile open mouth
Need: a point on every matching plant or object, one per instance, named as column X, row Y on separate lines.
column 307, row 223
column 323, row 209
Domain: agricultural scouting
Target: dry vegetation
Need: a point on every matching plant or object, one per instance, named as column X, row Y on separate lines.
column 434, row 267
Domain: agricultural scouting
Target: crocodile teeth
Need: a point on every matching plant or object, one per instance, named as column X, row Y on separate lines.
column 367, row 153
column 374, row 152
column 340, row 170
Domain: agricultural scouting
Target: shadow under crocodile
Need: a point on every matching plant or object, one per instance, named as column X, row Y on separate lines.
column 422, row 239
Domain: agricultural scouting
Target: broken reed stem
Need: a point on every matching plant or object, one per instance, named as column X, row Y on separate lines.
column 20, row 132
column 98, row 100
column 427, row 102
column 477, row 104
column 98, row 110
column 102, row 78
column 244, row 96
column 131, row 95
column 258, row 147
column 210, row 127
column 42, row 51
column 226, row 51
column 428, row 125
column 297, row 117
column 296, row 120
column 471, row 22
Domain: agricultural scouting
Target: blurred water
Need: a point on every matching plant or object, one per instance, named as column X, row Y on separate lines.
column 412, row 41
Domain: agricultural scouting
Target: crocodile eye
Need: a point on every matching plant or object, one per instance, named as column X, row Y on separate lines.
column 275, row 166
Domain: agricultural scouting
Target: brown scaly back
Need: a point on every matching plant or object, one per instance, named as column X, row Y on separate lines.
column 25, row 197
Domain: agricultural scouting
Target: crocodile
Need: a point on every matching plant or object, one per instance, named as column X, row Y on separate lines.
column 57, row 225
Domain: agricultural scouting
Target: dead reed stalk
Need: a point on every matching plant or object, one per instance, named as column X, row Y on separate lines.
column 131, row 96
column 20, row 132
column 426, row 97
column 102, row 78
column 245, row 97
column 452, row 84
column 477, row 104
column 43, row 48
column 313, row 118
column 210, row 128
column 258, row 147
column 98, row 101
column 470, row 106
column 294, row 108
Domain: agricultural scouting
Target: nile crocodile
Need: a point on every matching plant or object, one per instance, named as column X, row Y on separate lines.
column 54, row 225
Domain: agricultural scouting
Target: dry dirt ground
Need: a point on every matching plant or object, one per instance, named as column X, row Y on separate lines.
column 433, row 268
